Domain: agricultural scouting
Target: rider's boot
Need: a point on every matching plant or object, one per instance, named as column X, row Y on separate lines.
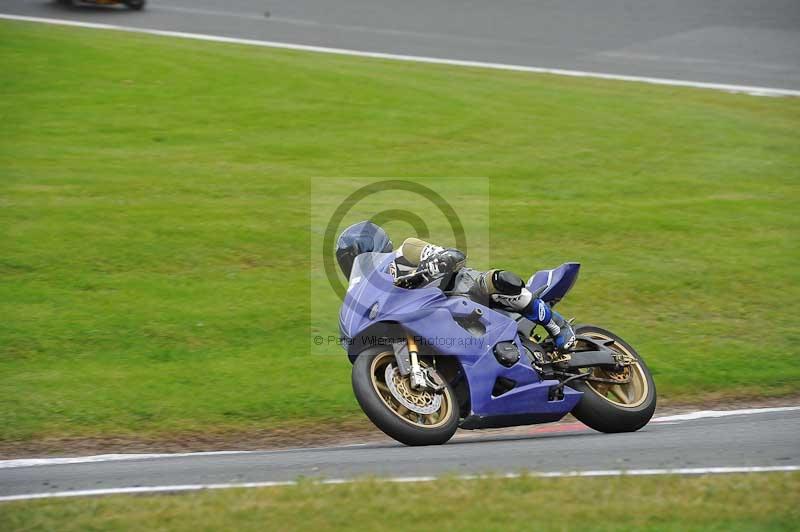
column 557, row 327
column 507, row 289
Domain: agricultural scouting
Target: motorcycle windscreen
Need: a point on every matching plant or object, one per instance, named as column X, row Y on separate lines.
column 365, row 264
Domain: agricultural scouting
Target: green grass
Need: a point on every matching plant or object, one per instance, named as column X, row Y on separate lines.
column 154, row 207
column 725, row 503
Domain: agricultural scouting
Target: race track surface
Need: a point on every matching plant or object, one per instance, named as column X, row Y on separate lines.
column 761, row 439
column 745, row 42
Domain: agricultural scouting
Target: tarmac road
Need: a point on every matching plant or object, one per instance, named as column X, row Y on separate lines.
column 765, row 438
column 744, row 42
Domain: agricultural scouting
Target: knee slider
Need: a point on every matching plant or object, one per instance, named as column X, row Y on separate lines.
column 507, row 283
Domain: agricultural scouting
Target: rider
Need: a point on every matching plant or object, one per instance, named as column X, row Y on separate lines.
column 502, row 288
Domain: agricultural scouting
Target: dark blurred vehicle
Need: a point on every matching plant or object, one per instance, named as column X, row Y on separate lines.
column 138, row 5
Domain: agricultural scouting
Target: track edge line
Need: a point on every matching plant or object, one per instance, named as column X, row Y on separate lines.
column 736, row 89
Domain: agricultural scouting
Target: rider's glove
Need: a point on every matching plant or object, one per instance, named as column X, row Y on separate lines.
column 409, row 281
column 445, row 261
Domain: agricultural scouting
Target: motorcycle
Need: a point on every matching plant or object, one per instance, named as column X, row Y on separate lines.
column 428, row 360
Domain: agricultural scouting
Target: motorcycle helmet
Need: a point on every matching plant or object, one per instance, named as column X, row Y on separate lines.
column 361, row 237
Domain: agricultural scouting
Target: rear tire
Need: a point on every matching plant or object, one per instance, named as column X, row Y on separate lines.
column 387, row 413
column 604, row 412
column 136, row 5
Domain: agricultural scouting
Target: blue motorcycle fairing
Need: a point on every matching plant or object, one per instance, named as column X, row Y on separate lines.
column 555, row 283
column 426, row 313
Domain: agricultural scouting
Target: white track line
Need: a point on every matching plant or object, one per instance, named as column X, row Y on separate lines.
column 33, row 462
column 691, row 416
column 745, row 89
column 544, row 474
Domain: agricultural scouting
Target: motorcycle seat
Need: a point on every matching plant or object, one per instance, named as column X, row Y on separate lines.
column 553, row 285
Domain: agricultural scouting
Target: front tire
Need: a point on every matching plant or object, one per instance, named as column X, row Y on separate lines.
column 389, row 414
column 616, row 408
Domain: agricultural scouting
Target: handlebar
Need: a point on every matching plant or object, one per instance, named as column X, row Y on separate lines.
column 408, row 280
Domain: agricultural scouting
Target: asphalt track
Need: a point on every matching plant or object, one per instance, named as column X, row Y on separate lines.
column 744, row 42
column 758, row 439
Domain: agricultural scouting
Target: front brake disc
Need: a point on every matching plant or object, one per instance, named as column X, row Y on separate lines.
column 419, row 401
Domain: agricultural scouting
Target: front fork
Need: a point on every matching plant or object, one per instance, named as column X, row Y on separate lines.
column 407, row 357
column 417, row 377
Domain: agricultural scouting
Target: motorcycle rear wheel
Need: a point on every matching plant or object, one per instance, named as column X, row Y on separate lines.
column 389, row 414
column 624, row 407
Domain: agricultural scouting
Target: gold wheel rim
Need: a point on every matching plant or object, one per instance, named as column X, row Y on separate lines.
column 624, row 395
column 426, row 421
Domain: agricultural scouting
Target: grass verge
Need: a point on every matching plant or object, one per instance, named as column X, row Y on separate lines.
column 722, row 502
column 154, row 198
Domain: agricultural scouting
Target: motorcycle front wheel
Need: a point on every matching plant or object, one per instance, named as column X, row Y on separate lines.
column 625, row 406
column 412, row 417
